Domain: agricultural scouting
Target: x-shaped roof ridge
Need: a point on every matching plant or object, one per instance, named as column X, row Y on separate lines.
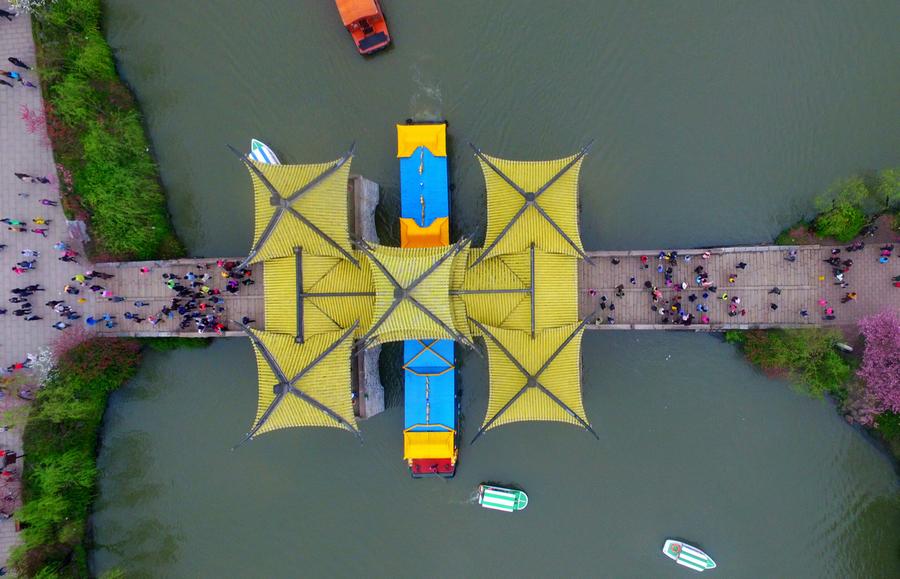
column 532, row 380
column 285, row 205
column 404, row 293
column 530, row 200
column 285, row 385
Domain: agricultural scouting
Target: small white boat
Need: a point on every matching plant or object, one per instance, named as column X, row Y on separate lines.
column 501, row 499
column 688, row 555
column 261, row 153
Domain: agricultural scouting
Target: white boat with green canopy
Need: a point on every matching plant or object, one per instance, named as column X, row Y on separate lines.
column 687, row 555
column 501, row 499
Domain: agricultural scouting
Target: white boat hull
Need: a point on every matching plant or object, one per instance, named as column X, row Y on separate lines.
column 688, row 555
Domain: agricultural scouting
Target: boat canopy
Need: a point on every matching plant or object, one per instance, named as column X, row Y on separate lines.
column 432, row 136
column 435, row 444
column 531, row 202
column 300, row 206
column 353, row 10
column 302, row 384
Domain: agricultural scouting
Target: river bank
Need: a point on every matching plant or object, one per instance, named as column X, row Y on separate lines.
column 108, row 176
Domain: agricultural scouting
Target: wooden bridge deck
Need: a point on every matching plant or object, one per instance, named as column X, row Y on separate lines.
column 150, row 287
column 802, row 283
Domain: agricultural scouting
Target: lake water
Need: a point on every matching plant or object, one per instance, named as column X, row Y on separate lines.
column 714, row 123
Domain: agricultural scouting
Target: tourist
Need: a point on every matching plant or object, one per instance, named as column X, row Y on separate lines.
column 775, row 290
column 804, row 314
column 773, row 306
column 9, row 84
column 40, row 231
column 741, row 265
column 850, row 296
column 49, row 202
column 791, row 255
column 32, row 318
column 8, row 15
column 18, row 63
column 60, row 325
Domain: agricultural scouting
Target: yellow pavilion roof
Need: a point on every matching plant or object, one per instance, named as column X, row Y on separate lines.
column 412, row 293
column 332, row 293
column 528, row 291
column 300, row 206
column 534, row 378
column 304, row 384
column 532, row 202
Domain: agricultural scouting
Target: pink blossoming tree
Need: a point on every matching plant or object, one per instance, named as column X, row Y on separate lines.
column 880, row 369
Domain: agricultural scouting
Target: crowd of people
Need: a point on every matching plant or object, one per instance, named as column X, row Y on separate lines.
column 691, row 292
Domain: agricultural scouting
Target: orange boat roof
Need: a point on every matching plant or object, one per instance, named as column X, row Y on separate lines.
column 353, row 10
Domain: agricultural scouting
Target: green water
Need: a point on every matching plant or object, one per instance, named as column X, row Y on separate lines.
column 715, row 122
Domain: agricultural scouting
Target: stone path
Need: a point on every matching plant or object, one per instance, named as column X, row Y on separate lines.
column 25, row 152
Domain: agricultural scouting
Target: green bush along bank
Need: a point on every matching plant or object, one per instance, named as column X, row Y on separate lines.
column 807, row 358
column 849, row 205
column 107, row 175
column 60, row 442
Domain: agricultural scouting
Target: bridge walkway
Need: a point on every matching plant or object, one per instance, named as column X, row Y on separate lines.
column 802, row 282
column 131, row 283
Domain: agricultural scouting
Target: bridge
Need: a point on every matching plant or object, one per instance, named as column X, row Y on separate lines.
column 529, row 291
column 802, row 283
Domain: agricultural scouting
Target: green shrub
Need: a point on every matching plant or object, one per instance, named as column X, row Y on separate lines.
column 735, row 336
column 97, row 134
column 77, row 16
column 888, row 424
column 60, row 440
column 95, row 60
column 888, row 189
column 808, row 357
column 73, row 100
column 842, row 222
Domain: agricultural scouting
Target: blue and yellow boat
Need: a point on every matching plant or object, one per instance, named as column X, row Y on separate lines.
column 430, row 438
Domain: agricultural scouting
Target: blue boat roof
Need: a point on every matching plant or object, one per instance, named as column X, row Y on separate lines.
column 430, row 385
column 428, row 187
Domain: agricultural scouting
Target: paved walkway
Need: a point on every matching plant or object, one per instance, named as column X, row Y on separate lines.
column 25, row 152
column 802, row 284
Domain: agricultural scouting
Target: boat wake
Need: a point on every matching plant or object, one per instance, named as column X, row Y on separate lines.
column 427, row 102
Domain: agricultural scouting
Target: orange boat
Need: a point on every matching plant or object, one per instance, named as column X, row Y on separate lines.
column 365, row 21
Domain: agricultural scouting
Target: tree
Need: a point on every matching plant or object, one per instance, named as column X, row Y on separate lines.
column 880, row 368
column 889, row 187
column 843, row 221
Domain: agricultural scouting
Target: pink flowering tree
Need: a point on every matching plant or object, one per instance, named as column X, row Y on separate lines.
column 880, row 369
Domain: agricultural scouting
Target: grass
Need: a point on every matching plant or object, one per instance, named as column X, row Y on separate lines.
column 108, row 177
column 60, row 441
